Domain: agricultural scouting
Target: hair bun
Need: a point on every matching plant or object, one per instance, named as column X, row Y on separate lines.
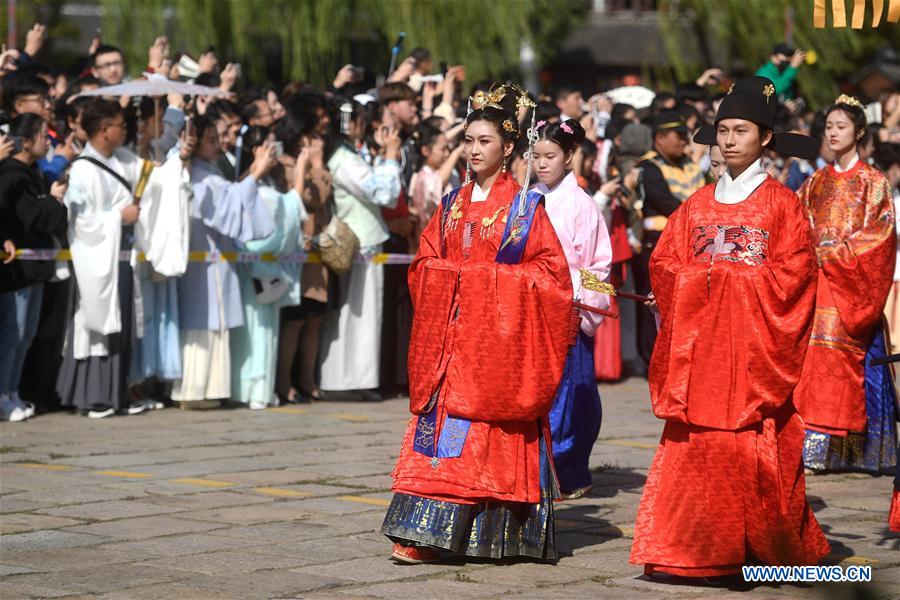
column 574, row 129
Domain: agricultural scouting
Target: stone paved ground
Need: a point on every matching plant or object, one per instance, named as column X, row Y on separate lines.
column 286, row 503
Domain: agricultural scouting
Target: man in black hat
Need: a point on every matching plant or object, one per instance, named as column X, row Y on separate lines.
column 734, row 276
column 668, row 178
column 782, row 69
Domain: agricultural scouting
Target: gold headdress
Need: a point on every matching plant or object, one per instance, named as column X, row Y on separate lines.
column 848, row 100
column 492, row 99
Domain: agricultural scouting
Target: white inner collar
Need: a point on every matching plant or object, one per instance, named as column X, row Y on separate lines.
column 733, row 191
column 850, row 165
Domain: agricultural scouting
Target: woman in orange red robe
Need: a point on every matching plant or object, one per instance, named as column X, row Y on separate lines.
column 847, row 403
column 734, row 278
column 492, row 297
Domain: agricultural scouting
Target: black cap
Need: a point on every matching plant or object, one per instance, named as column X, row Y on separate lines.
column 669, row 120
column 783, row 48
column 754, row 99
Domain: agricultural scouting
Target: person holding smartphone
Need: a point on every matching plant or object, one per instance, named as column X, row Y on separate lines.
column 31, row 212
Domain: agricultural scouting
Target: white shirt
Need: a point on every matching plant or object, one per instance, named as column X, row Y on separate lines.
column 734, row 191
column 850, row 165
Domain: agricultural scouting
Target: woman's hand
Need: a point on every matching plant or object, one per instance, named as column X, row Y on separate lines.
column 10, row 250
column 263, row 160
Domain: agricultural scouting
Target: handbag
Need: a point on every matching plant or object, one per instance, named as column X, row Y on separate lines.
column 337, row 245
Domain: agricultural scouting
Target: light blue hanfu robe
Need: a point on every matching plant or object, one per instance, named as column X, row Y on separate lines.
column 254, row 347
column 224, row 216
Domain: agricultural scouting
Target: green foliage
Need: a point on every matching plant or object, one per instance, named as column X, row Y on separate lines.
column 317, row 37
column 742, row 33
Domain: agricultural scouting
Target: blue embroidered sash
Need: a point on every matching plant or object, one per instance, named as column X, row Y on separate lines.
column 454, row 431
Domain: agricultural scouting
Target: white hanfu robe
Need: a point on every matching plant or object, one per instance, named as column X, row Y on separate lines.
column 162, row 233
column 96, row 355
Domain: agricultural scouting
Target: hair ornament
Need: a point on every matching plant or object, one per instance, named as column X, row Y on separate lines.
column 848, row 101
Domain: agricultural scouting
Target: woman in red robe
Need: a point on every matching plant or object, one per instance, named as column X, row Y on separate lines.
column 846, row 402
column 492, row 297
column 734, row 278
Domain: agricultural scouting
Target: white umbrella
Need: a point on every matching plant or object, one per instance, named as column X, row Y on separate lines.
column 636, row 95
column 156, row 85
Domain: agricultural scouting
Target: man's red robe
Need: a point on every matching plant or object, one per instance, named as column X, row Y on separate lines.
column 735, row 286
column 852, row 218
column 491, row 339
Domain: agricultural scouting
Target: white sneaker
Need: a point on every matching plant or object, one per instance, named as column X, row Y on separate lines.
column 10, row 411
column 137, row 408
column 101, row 414
column 28, row 407
column 258, row 406
column 154, row 404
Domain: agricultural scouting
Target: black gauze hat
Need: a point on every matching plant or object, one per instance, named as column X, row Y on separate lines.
column 754, row 99
column 669, row 120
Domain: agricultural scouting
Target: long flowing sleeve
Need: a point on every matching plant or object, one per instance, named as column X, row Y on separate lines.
column 233, row 209
column 162, row 231
column 378, row 185
column 511, row 335
column 858, row 266
column 735, row 324
column 594, row 246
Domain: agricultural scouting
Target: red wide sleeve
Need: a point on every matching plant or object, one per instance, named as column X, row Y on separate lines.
column 859, row 268
column 432, row 288
column 734, row 335
column 511, row 336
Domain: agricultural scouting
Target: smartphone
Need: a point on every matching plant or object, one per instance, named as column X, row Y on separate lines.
column 18, row 143
column 444, row 67
column 357, row 74
column 237, row 70
column 279, row 149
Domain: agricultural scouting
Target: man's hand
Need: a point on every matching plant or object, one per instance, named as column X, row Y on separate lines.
column 403, row 72
column 798, row 58
column 34, row 39
column 343, row 77
column 188, row 143
column 130, row 214
column 709, row 77
column 58, row 190
column 652, row 305
column 228, row 77
column 6, row 147
column 158, row 52
column 95, row 43
column 68, row 150
column 8, row 60
column 10, row 250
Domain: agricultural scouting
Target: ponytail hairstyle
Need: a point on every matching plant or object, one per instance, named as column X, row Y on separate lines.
column 568, row 135
column 853, row 108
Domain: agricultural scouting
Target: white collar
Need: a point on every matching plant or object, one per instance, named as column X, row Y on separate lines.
column 564, row 187
column 733, row 191
column 478, row 194
column 850, row 165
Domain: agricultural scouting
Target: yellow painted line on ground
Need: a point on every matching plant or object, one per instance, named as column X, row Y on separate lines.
column 289, row 410
column 125, row 474
column 631, row 444
column 44, row 467
column 356, row 418
column 365, row 500
column 858, row 560
column 281, row 493
column 210, row 483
